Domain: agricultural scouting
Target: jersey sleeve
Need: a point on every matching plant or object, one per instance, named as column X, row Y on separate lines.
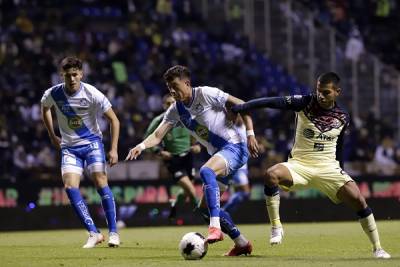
column 214, row 96
column 171, row 115
column 102, row 101
column 292, row 102
column 47, row 100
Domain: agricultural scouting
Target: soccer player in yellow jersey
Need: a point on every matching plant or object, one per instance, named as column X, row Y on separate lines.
column 315, row 159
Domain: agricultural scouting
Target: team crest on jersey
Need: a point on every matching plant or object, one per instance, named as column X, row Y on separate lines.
column 83, row 102
column 202, row 131
column 75, row 122
column 198, row 108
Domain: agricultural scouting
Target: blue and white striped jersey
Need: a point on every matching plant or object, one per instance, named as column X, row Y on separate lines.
column 77, row 113
column 206, row 119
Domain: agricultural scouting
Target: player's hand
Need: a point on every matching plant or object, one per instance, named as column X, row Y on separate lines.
column 112, row 157
column 252, row 144
column 165, row 155
column 56, row 141
column 134, row 153
column 196, row 149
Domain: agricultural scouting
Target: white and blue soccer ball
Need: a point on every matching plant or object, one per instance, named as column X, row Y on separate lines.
column 193, row 246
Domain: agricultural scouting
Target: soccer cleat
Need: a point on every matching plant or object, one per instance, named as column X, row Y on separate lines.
column 381, row 254
column 276, row 235
column 237, row 251
column 214, row 235
column 113, row 240
column 93, row 240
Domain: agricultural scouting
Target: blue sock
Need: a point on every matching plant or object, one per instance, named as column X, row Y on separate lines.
column 271, row 191
column 107, row 201
column 81, row 209
column 364, row 212
column 211, row 190
column 235, row 200
column 227, row 225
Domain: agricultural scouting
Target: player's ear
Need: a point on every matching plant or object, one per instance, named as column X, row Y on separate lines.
column 338, row 90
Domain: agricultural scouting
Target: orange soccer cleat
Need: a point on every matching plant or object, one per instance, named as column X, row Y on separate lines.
column 237, row 251
column 214, row 235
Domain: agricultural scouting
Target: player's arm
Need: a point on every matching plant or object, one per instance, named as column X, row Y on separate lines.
column 48, row 122
column 114, row 128
column 340, row 145
column 292, row 102
column 152, row 140
column 248, row 122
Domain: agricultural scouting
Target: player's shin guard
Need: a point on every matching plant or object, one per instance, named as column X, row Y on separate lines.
column 272, row 200
column 81, row 209
column 235, row 200
column 368, row 224
column 107, row 201
column 211, row 193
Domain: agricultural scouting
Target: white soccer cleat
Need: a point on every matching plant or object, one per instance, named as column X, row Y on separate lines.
column 276, row 236
column 381, row 254
column 93, row 240
column 113, row 240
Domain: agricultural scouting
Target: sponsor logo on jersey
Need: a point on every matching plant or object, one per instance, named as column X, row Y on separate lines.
column 202, row 131
column 324, row 137
column 75, row 122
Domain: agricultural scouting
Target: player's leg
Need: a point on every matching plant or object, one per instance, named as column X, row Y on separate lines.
column 187, row 191
column 350, row 194
column 277, row 175
column 71, row 169
column 96, row 165
column 242, row 245
column 215, row 166
column 242, row 190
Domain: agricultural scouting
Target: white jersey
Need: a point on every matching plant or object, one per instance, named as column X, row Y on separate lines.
column 77, row 113
column 206, row 119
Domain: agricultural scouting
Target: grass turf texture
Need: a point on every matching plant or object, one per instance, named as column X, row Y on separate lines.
column 306, row 244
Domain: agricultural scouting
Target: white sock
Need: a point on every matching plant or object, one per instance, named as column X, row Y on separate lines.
column 240, row 241
column 214, row 222
column 369, row 226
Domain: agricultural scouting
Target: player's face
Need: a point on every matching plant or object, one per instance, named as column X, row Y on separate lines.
column 168, row 101
column 180, row 89
column 72, row 78
column 326, row 94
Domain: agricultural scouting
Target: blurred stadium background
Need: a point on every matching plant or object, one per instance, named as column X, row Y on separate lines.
column 249, row 48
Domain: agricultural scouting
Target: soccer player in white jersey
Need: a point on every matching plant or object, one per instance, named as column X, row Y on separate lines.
column 77, row 104
column 315, row 159
column 203, row 111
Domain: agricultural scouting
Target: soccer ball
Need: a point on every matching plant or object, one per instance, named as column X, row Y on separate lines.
column 193, row 246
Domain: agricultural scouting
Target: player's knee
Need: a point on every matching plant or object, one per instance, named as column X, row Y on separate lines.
column 271, row 177
column 100, row 180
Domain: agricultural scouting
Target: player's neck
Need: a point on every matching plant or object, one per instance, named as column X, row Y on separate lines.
column 71, row 91
column 188, row 100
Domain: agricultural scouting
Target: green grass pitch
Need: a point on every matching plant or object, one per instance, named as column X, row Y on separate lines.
column 305, row 244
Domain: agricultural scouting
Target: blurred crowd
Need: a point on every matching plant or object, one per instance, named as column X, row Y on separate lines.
column 126, row 47
column 373, row 22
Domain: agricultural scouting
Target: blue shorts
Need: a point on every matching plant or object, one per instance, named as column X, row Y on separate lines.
column 235, row 156
column 240, row 177
column 74, row 159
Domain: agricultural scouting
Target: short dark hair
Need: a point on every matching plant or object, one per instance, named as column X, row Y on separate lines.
column 71, row 62
column 177, row 71
column 329, row 77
